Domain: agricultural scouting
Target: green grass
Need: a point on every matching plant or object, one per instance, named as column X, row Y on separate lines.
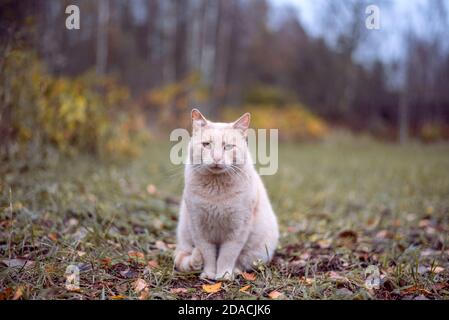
column 342, row 207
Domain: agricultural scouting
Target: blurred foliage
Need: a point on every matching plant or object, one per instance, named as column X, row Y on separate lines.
column 81, row 114
column 171, row 102
column 268, row 95
column 271, row 107
column 433, row 131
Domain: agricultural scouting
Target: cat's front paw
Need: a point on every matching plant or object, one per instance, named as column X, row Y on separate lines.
column 226, row 275
column 207, row 275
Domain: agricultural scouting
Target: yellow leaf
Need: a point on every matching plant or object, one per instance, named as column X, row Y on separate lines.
column 249, row 276
column 118, row 297
column 212, row 288
column 274, row 294
column 245, row 288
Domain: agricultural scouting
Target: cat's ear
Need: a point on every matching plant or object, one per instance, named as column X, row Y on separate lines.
column 198, row 120
column 242, row 123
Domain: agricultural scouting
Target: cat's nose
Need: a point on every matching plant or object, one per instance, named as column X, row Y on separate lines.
column 217, row 158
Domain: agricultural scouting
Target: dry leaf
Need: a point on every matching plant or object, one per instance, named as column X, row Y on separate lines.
column 161, row 245
column 144, row 294
column 325, row 243
column 53, row 236
column 245, row 288
column 151, row 189
column 153, row 264
column 424, row 223
column 274, row 294
column 81, row 253
column 212, row 288
column 249, row 276
column 105, row 262
column 178, row 290
column 118, row 297
column 139, row 285
column 335, row 276
column 19, row 293
column 438, row 269
column 14, row 263
column 307, row 281
column 136, row 255
column 6, row 293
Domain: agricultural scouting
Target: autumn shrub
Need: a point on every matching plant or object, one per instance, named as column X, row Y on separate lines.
column 433, row 131
column 294, row 121
column 81, row 114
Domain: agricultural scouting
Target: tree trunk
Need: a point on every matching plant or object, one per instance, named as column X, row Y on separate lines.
column 403, row 118
column 102, row 36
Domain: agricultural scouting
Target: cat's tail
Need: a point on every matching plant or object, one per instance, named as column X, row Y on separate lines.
column 186, row 261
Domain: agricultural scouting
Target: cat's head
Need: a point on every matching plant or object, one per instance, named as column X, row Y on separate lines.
column 219, row 147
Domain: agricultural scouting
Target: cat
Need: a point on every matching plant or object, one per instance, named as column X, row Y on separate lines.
column 226, row 222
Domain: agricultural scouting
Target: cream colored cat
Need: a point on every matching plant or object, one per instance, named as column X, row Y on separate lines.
column 226, row 223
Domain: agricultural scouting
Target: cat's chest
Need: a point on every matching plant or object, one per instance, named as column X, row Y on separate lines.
column 219, row 221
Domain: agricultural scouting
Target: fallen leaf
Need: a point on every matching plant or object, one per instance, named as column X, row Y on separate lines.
column 372, row 277
column 144, row 294
column 151, row 189
column 139, row 285
column 161, row 245
column 438, row 269
column 14, row 263
column 19, row 293
column 136, row 254
column 128, row 273
column 81, row 253
column 307, row 281
column 53, row 236
column 335, row 276
column 153, row 264
column 178, row 290
column 105, row 262
column 274, row 294
column 343, row 292
column 348, row 234
column 325, row 243
column 244, row 288
column 424, row 223
column 415, row 289
column 383, row 234
column 249, row 276
column 212, row 288
column 6, row 293
column 117, row 297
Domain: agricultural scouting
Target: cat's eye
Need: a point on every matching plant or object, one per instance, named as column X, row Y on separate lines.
column 228, row 146
column 206, row 144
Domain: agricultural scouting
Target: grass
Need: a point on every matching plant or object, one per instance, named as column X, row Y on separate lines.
column 347, row 210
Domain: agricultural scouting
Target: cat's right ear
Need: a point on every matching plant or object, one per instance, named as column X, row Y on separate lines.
column 198, row 120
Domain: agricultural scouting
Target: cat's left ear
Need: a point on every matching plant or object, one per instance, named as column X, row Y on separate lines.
column 198, row 120
column 242, row 123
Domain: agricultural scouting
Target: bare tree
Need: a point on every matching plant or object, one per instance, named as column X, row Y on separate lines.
column 102, row 36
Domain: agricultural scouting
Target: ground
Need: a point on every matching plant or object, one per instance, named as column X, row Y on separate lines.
column 358, row 219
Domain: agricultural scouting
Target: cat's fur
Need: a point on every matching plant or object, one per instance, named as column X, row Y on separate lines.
column 226, row 223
